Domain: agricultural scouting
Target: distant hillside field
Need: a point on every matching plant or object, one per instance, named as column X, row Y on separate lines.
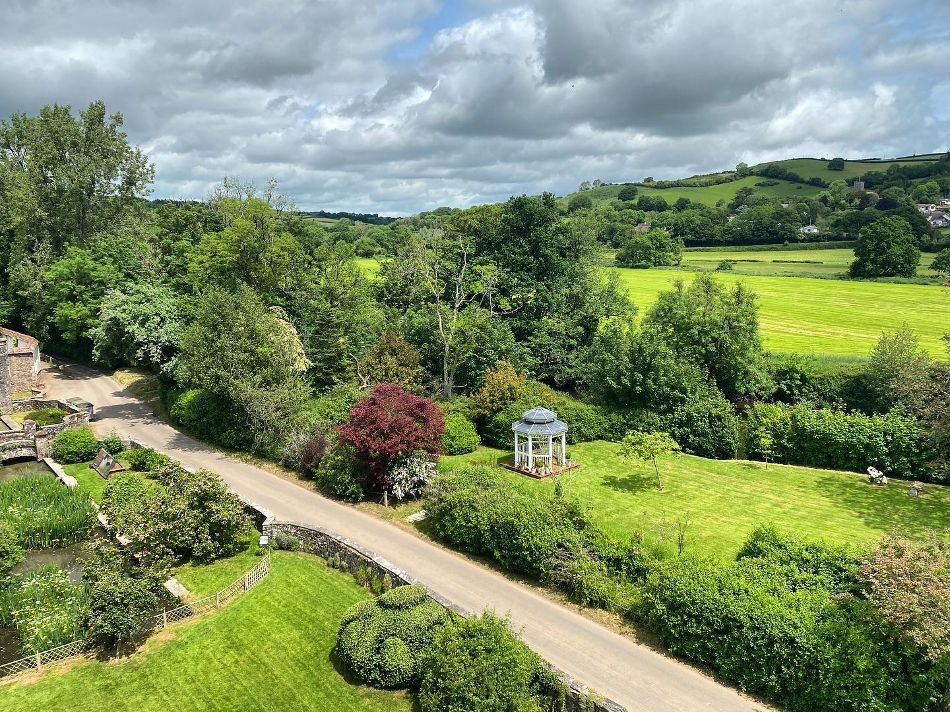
column 709, row 195
column 804, row 262
column 812, row 167
column 822, row 316
column 804, row 167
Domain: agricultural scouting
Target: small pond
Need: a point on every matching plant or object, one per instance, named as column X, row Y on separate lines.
column 9, row 645
column 25, row 468
column 66, row 557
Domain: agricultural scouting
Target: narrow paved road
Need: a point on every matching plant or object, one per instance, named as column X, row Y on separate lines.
column 628, row 673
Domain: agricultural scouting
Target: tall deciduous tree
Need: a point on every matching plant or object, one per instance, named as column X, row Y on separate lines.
column 139, row 325
column 717, row 329
column 886, row 248
column 249, row 353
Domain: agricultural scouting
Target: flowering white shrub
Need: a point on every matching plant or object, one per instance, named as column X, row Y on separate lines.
column 408, row 476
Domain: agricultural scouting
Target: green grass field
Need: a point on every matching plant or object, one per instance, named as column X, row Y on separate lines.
column 812, row 167
column 822, row 316
column 788, row 263
column 267, row 650
column 725, row 499
column 709, row 195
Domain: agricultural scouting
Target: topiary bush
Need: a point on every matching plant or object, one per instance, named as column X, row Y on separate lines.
column 113, row 443
column 341, row 473
column 74, row 445
column 460, row 436
column 381, row 641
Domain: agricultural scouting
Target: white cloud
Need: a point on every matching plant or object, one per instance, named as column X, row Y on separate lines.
column 516, row 99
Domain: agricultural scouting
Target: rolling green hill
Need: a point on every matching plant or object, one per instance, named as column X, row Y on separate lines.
column 816, row 167
column 708, row 195
column 804, row 167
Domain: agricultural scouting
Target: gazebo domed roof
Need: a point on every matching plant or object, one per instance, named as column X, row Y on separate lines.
column 539, row 421
column 539, row 414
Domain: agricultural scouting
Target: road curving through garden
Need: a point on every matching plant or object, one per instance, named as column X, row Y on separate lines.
column 631, row 674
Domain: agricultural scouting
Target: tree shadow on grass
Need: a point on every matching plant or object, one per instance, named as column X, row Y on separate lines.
column 888, row 507
column 630, row 483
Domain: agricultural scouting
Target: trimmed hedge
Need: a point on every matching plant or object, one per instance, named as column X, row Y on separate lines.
column 837, row 440
column 473, row 510
column 74, row 445
column 382, row 641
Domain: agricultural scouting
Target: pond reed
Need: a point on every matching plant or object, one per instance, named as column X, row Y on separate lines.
column 44, row 512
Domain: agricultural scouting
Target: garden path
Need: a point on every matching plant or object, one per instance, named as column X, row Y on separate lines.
column 631, row 674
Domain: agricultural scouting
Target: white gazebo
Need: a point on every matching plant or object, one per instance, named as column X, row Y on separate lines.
column 540, row 443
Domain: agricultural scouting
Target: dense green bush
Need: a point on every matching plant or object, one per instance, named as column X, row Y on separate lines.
column 472, row 509
column 187, row 515
column 460, row 436
column 333, row 407
column 705, row 425
column 74, row 445
column 381, row 641
column 46, row 416
column 145, row 459
column 479, row 665
column 341, row 473
column 119, row 605
column 208, row 416
column 801, row 435
column 779, row 631
column 113, row 443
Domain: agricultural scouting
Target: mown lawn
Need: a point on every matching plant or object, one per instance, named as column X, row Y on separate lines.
column 267, row 650
column 822, row 316
column 724, row 500
column 204, row 580
column 88, row 479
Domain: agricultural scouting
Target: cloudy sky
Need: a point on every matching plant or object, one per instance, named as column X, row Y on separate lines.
column 396, row 106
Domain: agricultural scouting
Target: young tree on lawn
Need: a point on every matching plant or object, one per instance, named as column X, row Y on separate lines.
column 647, row 446
column 391, row 424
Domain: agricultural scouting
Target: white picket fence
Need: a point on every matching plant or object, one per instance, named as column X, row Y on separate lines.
column 249, row 580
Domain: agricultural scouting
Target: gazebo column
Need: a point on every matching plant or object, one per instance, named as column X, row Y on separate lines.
column 563, row 448
column 550, row 455
column 530, row 454
column 517, row 454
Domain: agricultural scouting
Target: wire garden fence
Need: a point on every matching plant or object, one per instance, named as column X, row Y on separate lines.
column 249, row 580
